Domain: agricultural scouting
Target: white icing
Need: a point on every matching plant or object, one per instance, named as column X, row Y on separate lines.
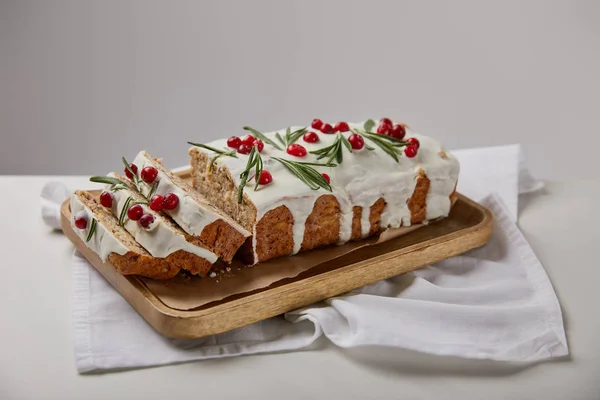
column 103, row 242
column 363, row 177
column 190, row 215
column 160, row 239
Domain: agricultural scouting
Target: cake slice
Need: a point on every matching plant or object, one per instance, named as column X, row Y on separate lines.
column 159, row 235
column 98, row 228
column 193, row 213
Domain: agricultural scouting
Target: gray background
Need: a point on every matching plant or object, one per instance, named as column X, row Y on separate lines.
column 82, row 82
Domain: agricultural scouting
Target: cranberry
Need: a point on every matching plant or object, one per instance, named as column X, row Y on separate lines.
column 249, row 140
column 316, row 123
column 106, row 199
column 296, row 150
column 326, row 128
column 398, row 131
column 146, row 220
column 156, row 202
column 259, row 145
column 356, row 141
column 81, row 219
column 327, row 178
column 171, row 201
column 311, row 137
column 135, row 212
column 383, row 129
column 414, row 142
column 265, row 177
column 410, row 151
column 386, row 121
column 244, row 149
column 133, row 167
column 149, row 174
column 234, row 142
column 341, row 127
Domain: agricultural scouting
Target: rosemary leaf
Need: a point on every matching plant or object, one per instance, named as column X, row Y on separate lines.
column 124, row 210
column 278, row 136
column 92, row 230
column 346, row 143
column 303, row 171
column 295, row 135
column 220, row 152
column 253, row 158
column 259, row 169
column 317, row 164
column 369, row 124
column 109, row 180
column 152, row 190
column 262, row 137
column 288, row 132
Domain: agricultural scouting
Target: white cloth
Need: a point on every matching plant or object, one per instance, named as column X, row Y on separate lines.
column 495, row 302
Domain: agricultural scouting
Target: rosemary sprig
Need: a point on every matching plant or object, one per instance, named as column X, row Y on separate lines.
column 291, row 137
column 310, row 176
column 152, row 190
column 230, row 153
column 262, row 137
column 386, row 143
column 254, row 161
column 124, row 210
column 109, row 180
column 334, row 151
column 92, row 230
column 278, row 136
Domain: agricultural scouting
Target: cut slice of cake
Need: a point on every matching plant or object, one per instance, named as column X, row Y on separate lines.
column 157, row 233
column 191, row 211
column 98, row 228
column 310, row 186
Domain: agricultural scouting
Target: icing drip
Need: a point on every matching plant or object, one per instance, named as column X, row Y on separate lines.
column 189, row 215
column 103, row 242
column 363, row 177
column 160, row 239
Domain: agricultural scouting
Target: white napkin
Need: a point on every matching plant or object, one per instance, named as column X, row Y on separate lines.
column 495, row 302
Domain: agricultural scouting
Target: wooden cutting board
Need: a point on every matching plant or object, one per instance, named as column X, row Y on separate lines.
column 468, row 226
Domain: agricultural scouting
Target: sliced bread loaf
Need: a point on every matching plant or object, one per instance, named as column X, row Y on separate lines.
column 102, row 233
column 156, row 232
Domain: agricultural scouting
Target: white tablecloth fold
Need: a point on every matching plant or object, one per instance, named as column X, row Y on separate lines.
column 495, row 302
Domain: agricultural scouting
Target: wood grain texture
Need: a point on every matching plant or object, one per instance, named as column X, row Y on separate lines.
column 468, row 226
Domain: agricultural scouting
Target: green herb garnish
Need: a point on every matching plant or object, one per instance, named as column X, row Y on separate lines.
column 369, row 124
column 310, row 176
column 254, row 161
column 124, row 210
column 262, row 137
column 291, row 137
column 92, row 230
column 386, row 143
column 334, row 151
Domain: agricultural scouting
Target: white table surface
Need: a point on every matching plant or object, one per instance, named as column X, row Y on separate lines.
column 562, row 223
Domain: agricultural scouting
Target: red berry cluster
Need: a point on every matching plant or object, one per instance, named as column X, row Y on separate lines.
column 327, row 128
column 244, row 146
column 398, row 131
column 169, row 202
column 136, row 213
